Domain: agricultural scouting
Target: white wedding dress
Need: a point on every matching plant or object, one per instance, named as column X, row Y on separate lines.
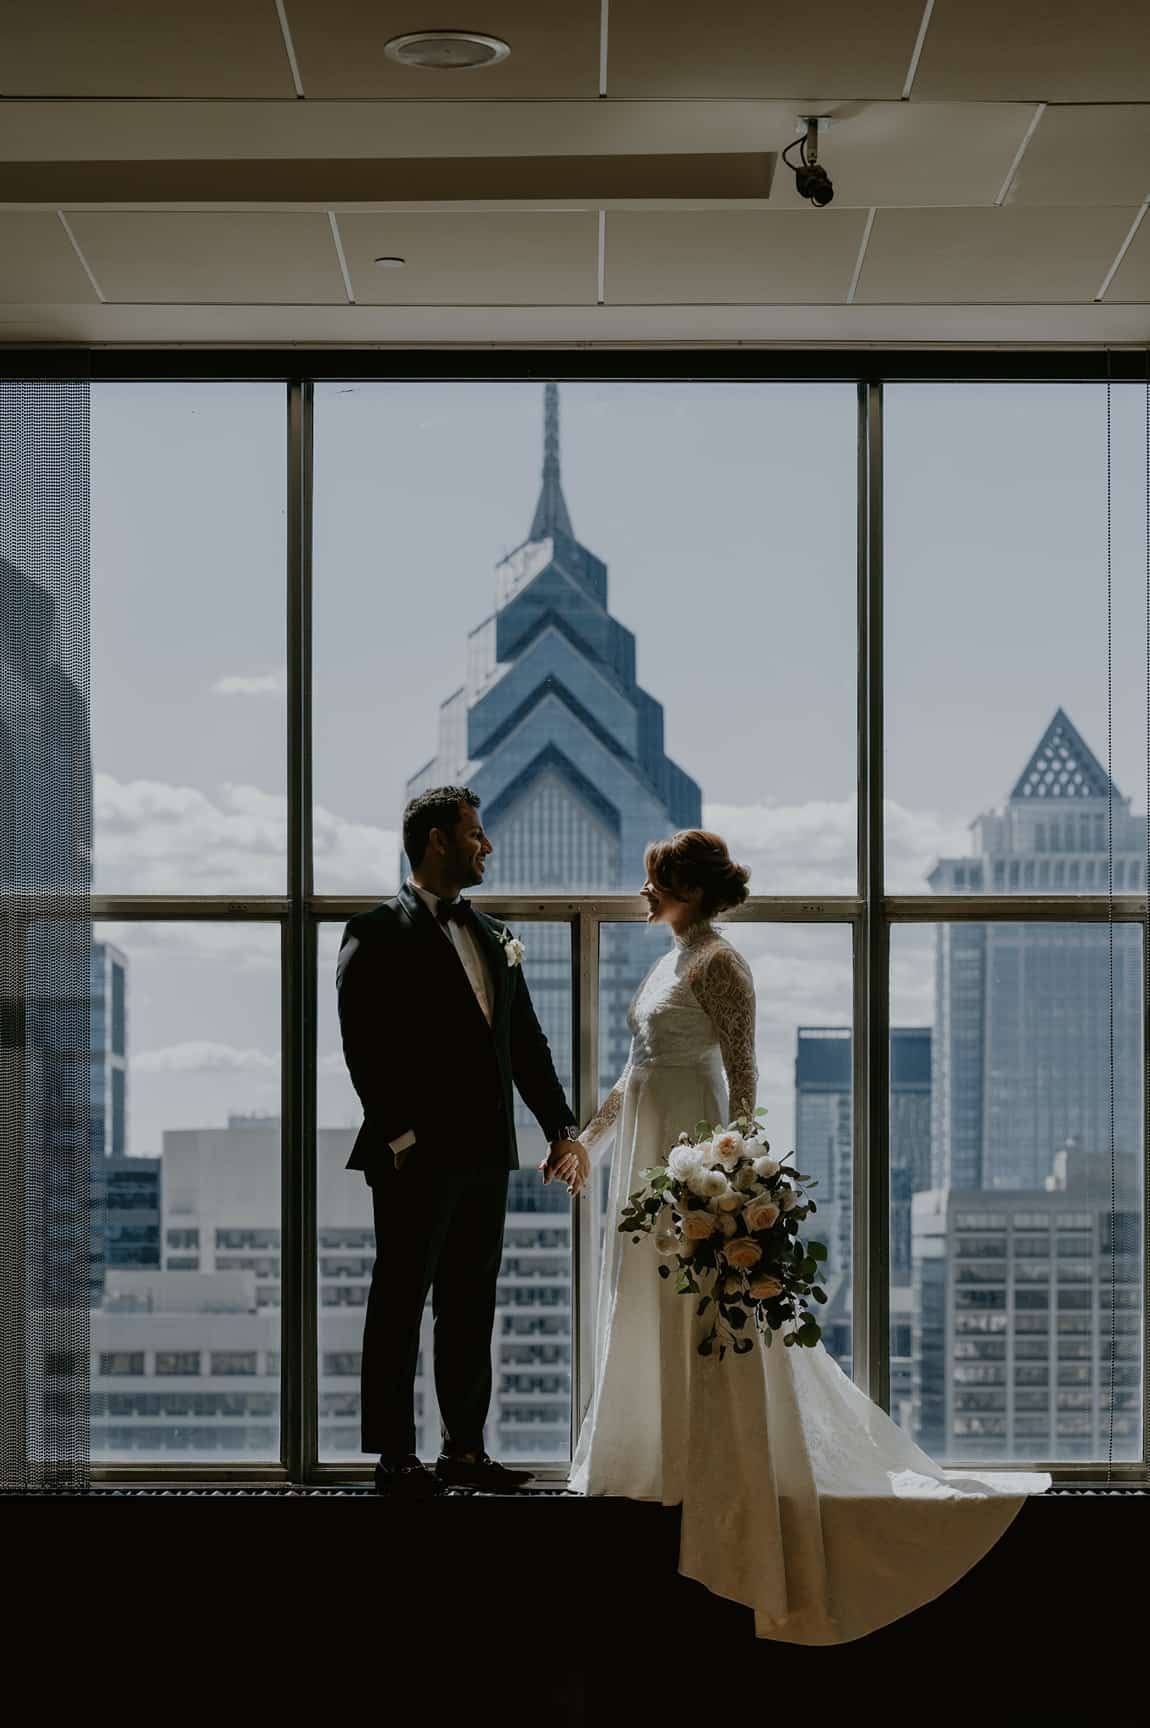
column 800, row 1497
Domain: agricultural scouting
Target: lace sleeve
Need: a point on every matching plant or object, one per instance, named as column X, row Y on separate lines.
column 723, row 985
column 606, row 1112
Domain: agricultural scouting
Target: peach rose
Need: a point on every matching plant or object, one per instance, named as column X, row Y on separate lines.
column 761, row 1214
column 762, row 1289
column 743, row 1253
column 728, row 1147
column 697, row 1226
column 727, row 1223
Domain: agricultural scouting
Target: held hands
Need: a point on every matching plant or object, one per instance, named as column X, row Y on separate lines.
column 567, row 1161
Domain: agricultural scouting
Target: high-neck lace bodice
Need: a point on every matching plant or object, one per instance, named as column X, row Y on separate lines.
column 696, row 1007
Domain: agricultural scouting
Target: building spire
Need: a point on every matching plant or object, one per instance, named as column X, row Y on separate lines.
column 551, row 511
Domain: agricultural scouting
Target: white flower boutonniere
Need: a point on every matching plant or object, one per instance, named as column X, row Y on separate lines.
column 512, row 948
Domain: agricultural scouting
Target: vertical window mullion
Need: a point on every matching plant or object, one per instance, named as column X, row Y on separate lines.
column 585, row 1028
column 299, row 1366
column 871, row 1042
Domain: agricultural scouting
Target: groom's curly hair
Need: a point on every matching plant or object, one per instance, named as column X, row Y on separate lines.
column 437, row 808
column 696, row 858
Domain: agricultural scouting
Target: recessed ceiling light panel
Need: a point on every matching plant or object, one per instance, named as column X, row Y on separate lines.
column 447, row 50
column 391, row 263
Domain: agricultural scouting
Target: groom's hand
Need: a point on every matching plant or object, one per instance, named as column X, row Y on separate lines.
column 567, row 1161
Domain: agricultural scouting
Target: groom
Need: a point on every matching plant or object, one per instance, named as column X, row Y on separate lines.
column 437, row 1025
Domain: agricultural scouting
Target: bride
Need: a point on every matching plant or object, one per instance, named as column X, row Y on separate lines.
column 800, row 1497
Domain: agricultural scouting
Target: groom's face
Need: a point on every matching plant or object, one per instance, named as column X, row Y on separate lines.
column 468, row 848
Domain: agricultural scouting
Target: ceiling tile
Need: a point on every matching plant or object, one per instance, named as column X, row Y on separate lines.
column 964, row 257
column 1132, row 277
column 472, row 258
column 907, row 153
column 211, row 257
column 1036, row 50
column 178, row 48
column 1087, row 155
column 749, row 257
column 739, row 48
column 38, row 261
column 554, row 52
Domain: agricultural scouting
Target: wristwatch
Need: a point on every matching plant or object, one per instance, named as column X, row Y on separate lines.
column 566, row 1133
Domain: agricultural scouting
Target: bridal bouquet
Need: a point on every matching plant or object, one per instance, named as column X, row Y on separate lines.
column 728, row 1215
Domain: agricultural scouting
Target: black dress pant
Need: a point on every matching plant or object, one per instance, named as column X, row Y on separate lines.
column 438, row 1227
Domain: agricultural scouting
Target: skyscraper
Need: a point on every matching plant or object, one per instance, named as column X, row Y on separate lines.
column 1021, row 1046
column 564, row 747
column 1026, row 1277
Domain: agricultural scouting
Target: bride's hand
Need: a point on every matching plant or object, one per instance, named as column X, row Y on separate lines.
column 567, row 1161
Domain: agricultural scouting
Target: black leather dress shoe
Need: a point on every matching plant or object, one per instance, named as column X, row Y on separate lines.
column 482, row 1473
column 405, row 1479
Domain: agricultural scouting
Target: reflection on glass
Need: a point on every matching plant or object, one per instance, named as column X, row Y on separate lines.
column 995, row 495
column 188, row 585
column 1023, row 1280
column 642, row 633
column 803, row 995
column 185, row 1242
column 530, row 1418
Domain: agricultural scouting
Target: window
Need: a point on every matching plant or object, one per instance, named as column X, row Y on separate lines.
column 593, row 720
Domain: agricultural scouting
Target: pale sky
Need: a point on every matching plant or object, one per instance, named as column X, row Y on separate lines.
column 726, row 515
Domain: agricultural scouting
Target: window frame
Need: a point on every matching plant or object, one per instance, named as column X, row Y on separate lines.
column 870, row 912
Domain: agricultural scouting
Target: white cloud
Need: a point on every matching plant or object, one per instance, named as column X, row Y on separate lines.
column 156, row 838
column 259, row 684
column 811, row 848
column 202, row 1056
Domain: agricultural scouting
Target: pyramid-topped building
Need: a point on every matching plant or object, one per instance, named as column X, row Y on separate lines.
column 1021, row 1049
column 552, row 728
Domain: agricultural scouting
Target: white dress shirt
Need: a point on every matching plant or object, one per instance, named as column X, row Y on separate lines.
column 466, row 944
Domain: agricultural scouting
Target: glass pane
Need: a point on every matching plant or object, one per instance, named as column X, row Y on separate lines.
column 803, row 1040
column 1002, row 1333
column 599, row 677
column 188, row 622
column 530, row 1418
column 995, row 572
column 185, row 1257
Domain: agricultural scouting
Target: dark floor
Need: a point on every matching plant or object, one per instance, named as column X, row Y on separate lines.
column 552, row 1610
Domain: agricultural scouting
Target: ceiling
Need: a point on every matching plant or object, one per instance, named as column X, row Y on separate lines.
column 227, row 171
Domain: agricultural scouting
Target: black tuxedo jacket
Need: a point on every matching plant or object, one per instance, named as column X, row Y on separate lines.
column 418, row 1047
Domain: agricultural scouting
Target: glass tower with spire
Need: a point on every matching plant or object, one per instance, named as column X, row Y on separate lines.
column 565, row 749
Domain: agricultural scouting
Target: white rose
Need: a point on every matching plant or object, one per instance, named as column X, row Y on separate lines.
column 683, row 1162
column 746, row 1181
column 728, row 1147
column 707, row 1184
column 706, row 1152
column 667, row 1242
column 698, row 1225
column 766, row 1167
column 514, row 950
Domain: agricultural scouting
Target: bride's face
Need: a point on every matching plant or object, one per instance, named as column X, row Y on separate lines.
column 663, row 905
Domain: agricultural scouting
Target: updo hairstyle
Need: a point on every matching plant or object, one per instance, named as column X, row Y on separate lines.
column 693, row 858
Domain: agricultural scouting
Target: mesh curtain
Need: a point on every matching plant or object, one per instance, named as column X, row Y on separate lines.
column 45, row 935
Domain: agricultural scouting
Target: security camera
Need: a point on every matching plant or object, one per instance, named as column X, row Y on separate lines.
column 811, row 178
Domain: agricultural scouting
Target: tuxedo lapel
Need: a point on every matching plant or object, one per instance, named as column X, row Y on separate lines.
column 496, row 962
column 441, row 954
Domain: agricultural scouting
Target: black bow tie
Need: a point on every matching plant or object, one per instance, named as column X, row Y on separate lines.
column 460, row 910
